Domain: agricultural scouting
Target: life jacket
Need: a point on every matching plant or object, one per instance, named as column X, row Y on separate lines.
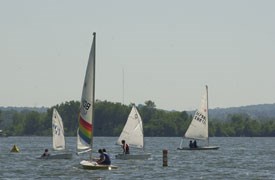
column 107, row 160
column 127, row 149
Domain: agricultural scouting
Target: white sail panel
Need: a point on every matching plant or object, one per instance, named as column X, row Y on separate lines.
column 132, row 132
column 58, row 131
column 198, row 128
column 84, row 133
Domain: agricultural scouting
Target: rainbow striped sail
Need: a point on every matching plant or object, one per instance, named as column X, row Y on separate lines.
column 85, row 119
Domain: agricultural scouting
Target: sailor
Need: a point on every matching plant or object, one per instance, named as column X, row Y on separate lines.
column 104, row 158
column 46, row 153
column 195, row 144
column 125, row 147
column 191, row 145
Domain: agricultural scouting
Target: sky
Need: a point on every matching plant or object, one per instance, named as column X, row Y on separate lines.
column 158, row 50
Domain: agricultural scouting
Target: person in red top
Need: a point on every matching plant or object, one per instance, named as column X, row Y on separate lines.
column 125, row 147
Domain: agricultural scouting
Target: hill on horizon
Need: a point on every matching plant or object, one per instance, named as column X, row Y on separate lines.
column 254, row 111
column 20, row 109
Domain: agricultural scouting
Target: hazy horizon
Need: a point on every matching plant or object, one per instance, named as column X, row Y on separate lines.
column 144, row 104
column 168, row 51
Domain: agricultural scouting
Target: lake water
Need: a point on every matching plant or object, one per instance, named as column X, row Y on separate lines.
column 237, row 158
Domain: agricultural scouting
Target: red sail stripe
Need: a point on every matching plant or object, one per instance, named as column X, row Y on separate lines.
column 85, row 124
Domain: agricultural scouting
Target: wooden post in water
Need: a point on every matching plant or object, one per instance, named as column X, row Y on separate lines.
column 164, row 157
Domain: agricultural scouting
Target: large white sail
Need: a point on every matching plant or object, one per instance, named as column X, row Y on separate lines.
column 58, row 131
column 86, row 116
column 198, row 128
column 85, row 119
column 132, row 132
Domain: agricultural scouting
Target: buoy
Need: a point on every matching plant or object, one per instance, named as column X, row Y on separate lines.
column 165, row 157
column 14, row 149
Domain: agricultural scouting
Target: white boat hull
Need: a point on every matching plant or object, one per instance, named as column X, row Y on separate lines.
column 92, row 165
column 133, row 156
column 58, row 156
column 200, row 148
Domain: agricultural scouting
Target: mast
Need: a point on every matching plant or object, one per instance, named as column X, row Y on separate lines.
column 93, row 98
column 122, row 86
column 206, row 87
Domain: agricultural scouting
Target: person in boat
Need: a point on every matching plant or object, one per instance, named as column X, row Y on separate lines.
column 191, row 145
column 46, row 153
column 106, row 154
column 104, row 158
column 195, row 144
column 125, row 147
column 104, row 151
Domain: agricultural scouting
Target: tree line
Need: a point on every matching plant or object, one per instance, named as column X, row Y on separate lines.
column 110, row 119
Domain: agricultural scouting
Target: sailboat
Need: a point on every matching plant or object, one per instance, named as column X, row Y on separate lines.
column 58, row 138
column 132, row 133
column 86, row 115
column 198, row 129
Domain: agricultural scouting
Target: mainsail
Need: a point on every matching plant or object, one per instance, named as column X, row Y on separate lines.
column 85, row 119
column 58, row 131
column 132, row 132
column 198, row 128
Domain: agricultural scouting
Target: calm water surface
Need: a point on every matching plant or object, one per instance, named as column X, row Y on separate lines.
column 237, row 158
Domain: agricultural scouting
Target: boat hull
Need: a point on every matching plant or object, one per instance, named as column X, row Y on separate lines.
column 200, row 148
column 58, row 156
column 133, row 156
column 92, row 165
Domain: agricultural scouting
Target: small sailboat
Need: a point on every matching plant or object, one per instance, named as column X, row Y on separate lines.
column 198, row 129
column 58, row 139
column 86, row 115
column 132, row 134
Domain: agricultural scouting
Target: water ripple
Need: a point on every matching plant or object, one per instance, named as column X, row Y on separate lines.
column 238, row 158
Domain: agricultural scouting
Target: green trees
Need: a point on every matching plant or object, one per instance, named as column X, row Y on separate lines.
column 242, row 125
column 111, row 117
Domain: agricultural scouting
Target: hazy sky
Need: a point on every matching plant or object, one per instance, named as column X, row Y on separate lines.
column 169, row 51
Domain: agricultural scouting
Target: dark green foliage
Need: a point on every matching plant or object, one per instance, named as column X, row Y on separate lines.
column 110, row 119
column 243, row 125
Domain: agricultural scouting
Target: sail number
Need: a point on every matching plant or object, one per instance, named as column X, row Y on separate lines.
column 56, row 130
column 200, row 117
column 86, row 105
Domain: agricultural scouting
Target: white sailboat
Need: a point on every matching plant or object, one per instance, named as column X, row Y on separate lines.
column 58, row 131
column 198, row 129
column 132, row 133
column 58, row 139
column 86, row 115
